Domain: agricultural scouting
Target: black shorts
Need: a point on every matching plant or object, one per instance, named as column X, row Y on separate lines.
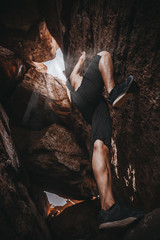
column 92, row 105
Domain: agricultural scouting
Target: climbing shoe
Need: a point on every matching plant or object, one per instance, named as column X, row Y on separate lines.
column 120, row 93
column 118, row 216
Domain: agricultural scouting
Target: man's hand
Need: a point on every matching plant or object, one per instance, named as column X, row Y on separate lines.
column 82, row 57
column 75, row 73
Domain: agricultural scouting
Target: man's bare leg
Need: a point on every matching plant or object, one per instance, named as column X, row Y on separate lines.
column 118, row 215
column 100, row 159
column 102, row 173
column 106, row 70
column 101, row 156
column 120, row 93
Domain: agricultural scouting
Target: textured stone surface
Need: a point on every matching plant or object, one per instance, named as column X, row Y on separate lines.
column 147, row 228
column 85, row 226
column 40, row 47
column 130, row 32
column 40, row 200
column 19, row 217
column 82, row 227
column 35, row 44
column 39, row 101
column 24, row 30
column 12, row 69
column 56, row 161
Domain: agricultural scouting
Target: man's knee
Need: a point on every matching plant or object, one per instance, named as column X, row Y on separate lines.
column 100, row 147
column 100, row 162
column 105, row 54
column 72, row 77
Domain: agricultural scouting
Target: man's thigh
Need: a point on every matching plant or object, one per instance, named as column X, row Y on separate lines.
column 101, row 124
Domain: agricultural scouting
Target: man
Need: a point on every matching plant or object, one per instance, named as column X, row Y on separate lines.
column 86, row 94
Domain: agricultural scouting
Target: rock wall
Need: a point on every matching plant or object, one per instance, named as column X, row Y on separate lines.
column 19, row 217
column 85, row 225
column 130, row 32
column 55, row 149
column 39, row 108
column 52, row 140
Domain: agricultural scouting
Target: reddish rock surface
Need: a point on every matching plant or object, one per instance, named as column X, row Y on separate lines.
column 35, row 44
column 56, row 161
column 24, row 30
column 85, row 226
column 130, row 32
column 39, row 101
column 12, row 70
column 78, row 221
column 19, row 217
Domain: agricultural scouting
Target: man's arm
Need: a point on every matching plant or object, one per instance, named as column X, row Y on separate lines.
column 75, row 78
column 78, row 65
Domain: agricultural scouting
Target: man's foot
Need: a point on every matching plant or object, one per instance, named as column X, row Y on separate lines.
column 120, row 93
column 118, row 216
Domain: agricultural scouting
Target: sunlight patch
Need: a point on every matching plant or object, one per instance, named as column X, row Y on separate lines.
column 55, row 200
column 56, row 66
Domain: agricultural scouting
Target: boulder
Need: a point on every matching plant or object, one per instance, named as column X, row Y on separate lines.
column 12, row 70
column 19, row 217
column 81, row 222
column 34, row 44
column 56, row 161
column 38, row 101
column 146, row 229
column 40, row 45
column 20, row 20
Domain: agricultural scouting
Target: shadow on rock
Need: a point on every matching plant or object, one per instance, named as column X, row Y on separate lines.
column 80, row 222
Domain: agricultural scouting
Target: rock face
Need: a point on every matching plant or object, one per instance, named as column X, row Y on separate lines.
column 39, row 101
column 130, row 32
column 52, row 139
column 85, row 226
column 29, row 45
column 147, row 228
column 12, row 69
column 24, row 30
column 82, row 227
column 65, row 170
column 19, row 217
column 57, row 139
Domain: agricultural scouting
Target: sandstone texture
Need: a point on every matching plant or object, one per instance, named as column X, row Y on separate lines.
column 57, row 140
column 56, row 162
column 130, row 32
column 86, row 225
column 24, row 26
column 29, row 44
column 12, row 70
column 19, row 217
column 39, row 101
column 52, row 142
